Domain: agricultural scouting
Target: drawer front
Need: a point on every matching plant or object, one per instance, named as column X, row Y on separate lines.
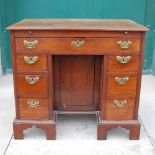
column 32, row 84
column 123, row 63
column 33, row 109
column 78, row 44
column 31, row 62
column 122, row 85
column 119, row 108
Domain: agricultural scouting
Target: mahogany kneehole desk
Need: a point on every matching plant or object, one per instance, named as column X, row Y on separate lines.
column 77, row 66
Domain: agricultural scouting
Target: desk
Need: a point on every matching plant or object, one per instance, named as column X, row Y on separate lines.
column 77, row 66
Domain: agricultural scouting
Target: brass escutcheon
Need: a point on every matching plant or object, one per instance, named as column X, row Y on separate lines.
column 31, row 80
column 124, row 44
column 121, row 81
column 123, row 59
column 31, row 60
column 120, row 103
column 30, row 44
column 77, row 43
column 33, row 103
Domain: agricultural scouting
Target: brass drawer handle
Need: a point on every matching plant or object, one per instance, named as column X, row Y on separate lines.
column 30, row 44
column 123, row 59
column 124, row 44
column 120, row 103
column 31, row 60
column 33, row 103
column 31, row 80
column 121, row 81
column 77, row 43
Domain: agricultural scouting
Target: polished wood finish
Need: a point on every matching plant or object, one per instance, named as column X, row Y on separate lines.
column 131, row 66
column 48, row 126
column 113, row 112
column 39, row 65
column 77, row 79
column 61, row 44
column 78, row 24
column 40, row 87
column 117, row 89
column 104, row 126
column 40, row 112
column 72, row 33
column 77, row 83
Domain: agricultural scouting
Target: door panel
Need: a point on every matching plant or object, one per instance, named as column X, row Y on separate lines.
column 74, row 80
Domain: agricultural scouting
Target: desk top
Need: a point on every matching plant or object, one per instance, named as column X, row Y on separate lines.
column 78, row 24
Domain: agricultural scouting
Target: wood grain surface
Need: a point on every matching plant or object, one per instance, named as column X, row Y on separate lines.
column 33, row 113
column 90, row 44
column 78, row 24
column 120, row 113
column 39, row 65
column 131, row 66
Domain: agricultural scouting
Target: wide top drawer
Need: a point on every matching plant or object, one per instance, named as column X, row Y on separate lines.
column 78, row 44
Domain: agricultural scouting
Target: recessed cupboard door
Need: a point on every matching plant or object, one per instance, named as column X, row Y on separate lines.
column 77, row 82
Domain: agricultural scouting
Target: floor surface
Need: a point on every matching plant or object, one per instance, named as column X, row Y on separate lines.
column 77, row 135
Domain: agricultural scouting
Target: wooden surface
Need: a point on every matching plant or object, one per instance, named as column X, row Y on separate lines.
column 115, row 66
column 78, row 24
column 33, row 113
column 120, row 113
column 90, row 44
column 122, row 89
column 73, row 33
column 48, row 126
column 40, row 87
column 39, row 65
column 78, row 79
column 104, row 126
column 77, row 83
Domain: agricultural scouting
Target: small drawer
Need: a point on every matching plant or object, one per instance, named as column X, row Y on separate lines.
column 78, row 44
column 33, row 109
column 32, row 84
column 31, row 62
column 122, row 84
column 123, row 63
column 120, row 108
